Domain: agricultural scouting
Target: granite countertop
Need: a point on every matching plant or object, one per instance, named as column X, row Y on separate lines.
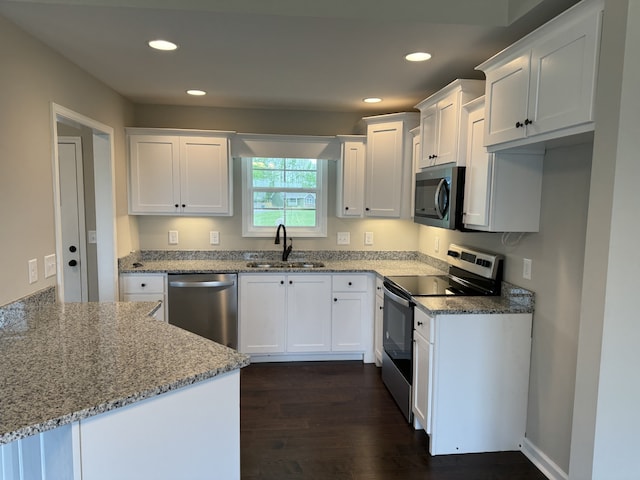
column 65, row 362
column 513, row 300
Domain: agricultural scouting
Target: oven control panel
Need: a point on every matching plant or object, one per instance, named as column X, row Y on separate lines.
column 481, row 263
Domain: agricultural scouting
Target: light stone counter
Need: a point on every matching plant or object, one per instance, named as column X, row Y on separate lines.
column 65, row 362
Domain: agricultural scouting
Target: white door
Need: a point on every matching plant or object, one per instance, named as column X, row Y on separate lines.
column 74, row 265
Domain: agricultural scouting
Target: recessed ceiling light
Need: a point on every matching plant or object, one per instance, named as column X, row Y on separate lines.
column 372, row 100
column 197, row 93
column 162, row 45
column 418, row 56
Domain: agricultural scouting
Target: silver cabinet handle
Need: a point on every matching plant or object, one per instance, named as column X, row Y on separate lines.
column 176, row 283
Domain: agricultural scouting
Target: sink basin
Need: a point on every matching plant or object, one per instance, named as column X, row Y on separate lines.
column 301, row 264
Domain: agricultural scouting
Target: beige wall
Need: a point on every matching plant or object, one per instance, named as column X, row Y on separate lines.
column 557, row 252
column 33, row 77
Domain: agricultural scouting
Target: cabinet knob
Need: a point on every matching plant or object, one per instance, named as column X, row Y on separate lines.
column 380, row 307
column 143, row 285
column 72, row 263
column 419, row 324
column 528, row 122
column 183, row 205
column 367, row 209
column 350, row 283
column 281, row 282
column 335, row 299
column 177, row 205
column 290, row 282
column 346, row 208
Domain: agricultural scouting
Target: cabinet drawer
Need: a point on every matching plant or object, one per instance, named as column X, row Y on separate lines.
column 424, row 324
column 142, row 283
column 350, row 283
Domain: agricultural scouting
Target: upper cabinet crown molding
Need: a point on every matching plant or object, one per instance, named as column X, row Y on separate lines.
column 178, row 131
column 543, row 86
column 440, row 125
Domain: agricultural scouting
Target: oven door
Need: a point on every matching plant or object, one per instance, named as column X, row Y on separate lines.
column 397, row 355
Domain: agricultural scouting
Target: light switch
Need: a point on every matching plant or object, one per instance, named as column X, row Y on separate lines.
column 33, row 270
column 173, row 237
column 344, row 238
column 214, row 238
column 49, row 265
column 92, row 237
column 526, row 269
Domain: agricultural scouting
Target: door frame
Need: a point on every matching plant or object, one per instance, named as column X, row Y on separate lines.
column 104, row 176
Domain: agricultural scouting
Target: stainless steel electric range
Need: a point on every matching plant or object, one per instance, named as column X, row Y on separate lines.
column 471, row 272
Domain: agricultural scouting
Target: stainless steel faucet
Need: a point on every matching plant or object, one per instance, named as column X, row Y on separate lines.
column 286, row 250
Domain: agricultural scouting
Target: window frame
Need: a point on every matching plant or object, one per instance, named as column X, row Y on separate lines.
column 249, row 230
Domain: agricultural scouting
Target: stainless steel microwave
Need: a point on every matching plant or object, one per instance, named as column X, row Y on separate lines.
column 439, row 196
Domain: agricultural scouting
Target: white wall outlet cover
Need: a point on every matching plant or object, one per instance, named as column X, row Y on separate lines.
column 526, row 268
column 49, row 265
column 214, row 238
column 344, row 238
column 33, row 270
column 436, row 245
column 92, row 237
column 173, row 237
column 368, row 238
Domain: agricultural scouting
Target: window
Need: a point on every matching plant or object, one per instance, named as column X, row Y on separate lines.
column 291, row 191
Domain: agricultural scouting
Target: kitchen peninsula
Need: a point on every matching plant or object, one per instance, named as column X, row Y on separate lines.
column 102, row 390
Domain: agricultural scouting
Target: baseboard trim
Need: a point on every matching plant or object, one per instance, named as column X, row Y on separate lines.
column 547, row 466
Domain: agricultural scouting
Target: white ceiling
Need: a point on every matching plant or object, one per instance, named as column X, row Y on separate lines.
column 300, row 54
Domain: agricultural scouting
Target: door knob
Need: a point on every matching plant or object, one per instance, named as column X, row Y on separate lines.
column 72, row 263
column 72, row 248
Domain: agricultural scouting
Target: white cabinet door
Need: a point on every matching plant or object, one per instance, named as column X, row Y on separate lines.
column 448, row 129
column 563, row 77
column 384, row 170
column 507, row 95
column 154, row 174
column 421, row 372
column 477, row 187
column 351, row 170
column 204, row 175
column 378, row 317
column 428, row 138
column 308, row 313
column 262, row 304
column 146, row 288
column 346, row 321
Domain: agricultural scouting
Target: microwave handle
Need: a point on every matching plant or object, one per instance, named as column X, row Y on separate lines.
column 439, row 212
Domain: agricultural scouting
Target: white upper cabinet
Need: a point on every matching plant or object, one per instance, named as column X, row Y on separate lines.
column 350, row 184
column 179, row 172
column 388, row 170
column 440, row 122
column 502, row 189
column 543, row 86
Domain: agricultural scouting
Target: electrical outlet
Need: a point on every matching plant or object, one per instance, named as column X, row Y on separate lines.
column 526, row 269
column 173, row 237
column 33, row 270
column 214, row 238
column 344, row 238
column 436, row 245
column 49, row 265
column 92, row 237
column 368, row 238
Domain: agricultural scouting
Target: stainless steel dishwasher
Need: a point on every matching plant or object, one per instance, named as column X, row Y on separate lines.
column 206, row 304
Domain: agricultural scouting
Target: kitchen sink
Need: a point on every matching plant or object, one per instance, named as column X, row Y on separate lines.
column 269, row 264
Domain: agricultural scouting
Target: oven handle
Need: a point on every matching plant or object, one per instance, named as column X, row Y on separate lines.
column 441, row 211
column 396, row 298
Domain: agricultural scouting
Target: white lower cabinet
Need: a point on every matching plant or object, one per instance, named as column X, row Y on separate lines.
column 284, row 313
column 471, row 377
column 378, row 317
column 148, row 287
column 289, row 316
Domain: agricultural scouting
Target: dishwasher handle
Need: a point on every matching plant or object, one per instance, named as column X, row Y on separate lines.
column 210, row 284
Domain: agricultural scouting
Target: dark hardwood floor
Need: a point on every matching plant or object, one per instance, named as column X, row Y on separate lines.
column 336, row 420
